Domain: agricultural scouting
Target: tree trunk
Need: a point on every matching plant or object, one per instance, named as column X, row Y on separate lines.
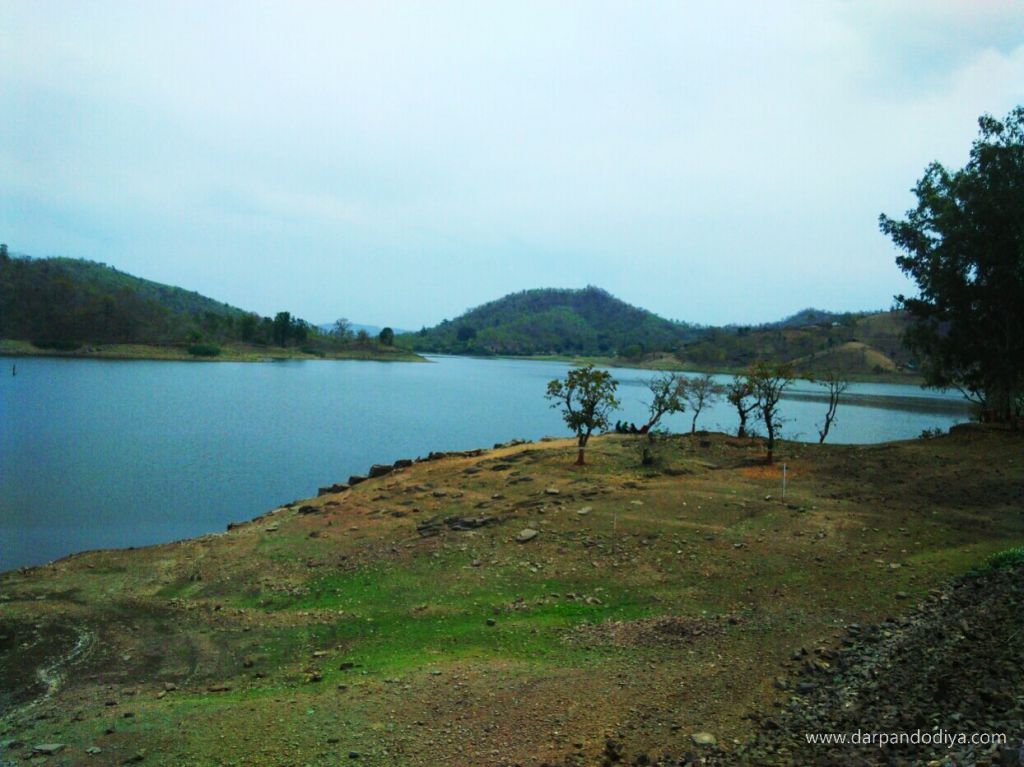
column 579, row 457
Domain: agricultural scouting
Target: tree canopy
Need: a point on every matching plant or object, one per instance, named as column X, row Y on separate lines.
column 964, row 247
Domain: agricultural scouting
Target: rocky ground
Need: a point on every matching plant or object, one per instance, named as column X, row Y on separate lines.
column 504, row 607
column 950, row 668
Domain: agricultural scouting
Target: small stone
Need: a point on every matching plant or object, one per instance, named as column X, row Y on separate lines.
column 526, row 534
column 704, row 739
column 491, row 622
column 48, row 749
column 552, row 491
column 584, row 510
column 93, row 750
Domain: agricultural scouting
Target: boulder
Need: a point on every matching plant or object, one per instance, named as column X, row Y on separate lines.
column 526, row 534
column 380, row 469
column 355, row 479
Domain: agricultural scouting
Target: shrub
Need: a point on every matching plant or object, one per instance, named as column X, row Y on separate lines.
column 204, row 350
column 60, row 346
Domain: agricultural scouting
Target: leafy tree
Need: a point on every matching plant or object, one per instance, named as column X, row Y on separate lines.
column 282, row 328
column 587, row 398
column 835, row 386
column 701, row 392
column 4, row 257
column 668, row 395
column 387, row 337
column 964, row 247
column 767, row 382
column 247, row 325
column 362, row 337
column 740, row 394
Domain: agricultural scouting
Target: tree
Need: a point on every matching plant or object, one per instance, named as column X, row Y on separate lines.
column 701, row 392
column 767, row 383
column 964, row 247
column 282, row 328
column 342, row 329
column 587, row 398
column 668, row 395
column 740, row 394
column 362, row 337
column 835, row 386
column 4, row 256
column 387, row 337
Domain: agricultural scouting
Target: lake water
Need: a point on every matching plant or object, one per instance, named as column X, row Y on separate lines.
column 98, row 454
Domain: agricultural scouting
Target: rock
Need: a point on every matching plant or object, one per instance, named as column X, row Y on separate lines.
column 552, row 491
column 355, row 479
column 337, row 487
column 353, row 754
column 584, row 510
column 491, row 622
column 308, row 509
column 526, row 534
column 379, row 470
column 93, row 750
column 402, row 463
column 48, row 749
column 704, row 739
column 170, row 687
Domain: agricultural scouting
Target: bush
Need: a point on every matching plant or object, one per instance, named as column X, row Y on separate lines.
column 313, row 350
column 204, row 350
column 1008, row 558
column 60, row 346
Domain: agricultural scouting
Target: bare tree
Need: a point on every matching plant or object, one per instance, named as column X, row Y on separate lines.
column 740, row 394
column 342, row 329
column 768, row 382
column 701, row 392
column 668, row 395
column 835, row 386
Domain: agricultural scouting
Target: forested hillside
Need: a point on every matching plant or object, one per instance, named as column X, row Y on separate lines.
column 64, row 304
column 590, row 321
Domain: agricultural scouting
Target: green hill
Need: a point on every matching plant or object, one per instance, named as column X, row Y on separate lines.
column 64, row 301
column 590, row 321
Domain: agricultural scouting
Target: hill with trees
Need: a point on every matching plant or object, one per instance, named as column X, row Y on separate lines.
column 67, row 305
column 590, row 321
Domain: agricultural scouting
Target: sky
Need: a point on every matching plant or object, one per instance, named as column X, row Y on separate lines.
column 397, row 163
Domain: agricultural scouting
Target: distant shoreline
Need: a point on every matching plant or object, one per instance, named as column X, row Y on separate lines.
column 667, row 363
column 231, row 353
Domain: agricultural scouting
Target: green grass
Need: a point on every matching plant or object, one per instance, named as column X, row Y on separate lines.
column 395, row 618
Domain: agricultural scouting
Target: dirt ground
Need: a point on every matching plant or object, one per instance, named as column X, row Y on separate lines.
column 414, row 620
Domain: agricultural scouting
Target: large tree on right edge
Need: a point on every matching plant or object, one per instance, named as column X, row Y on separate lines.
column 964, row 247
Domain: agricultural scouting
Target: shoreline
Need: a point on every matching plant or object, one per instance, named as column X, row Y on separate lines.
column 15, row 349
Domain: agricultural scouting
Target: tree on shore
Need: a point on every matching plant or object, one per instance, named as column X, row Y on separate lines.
column 701, row 392
column 964, row 247
column 767, row 383
column 586, row 398
column 387, row 337
column 835, row 386
column 740, row 394
column 668, row 395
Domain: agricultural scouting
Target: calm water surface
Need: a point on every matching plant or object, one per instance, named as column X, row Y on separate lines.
column 98, row 454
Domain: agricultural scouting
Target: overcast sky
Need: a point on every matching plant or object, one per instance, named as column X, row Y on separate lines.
column 398, row 163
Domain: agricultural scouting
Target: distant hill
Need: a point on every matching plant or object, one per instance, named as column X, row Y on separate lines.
column 590, row 321
column 806, row 317
column 65, row 300
column 852, row 343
